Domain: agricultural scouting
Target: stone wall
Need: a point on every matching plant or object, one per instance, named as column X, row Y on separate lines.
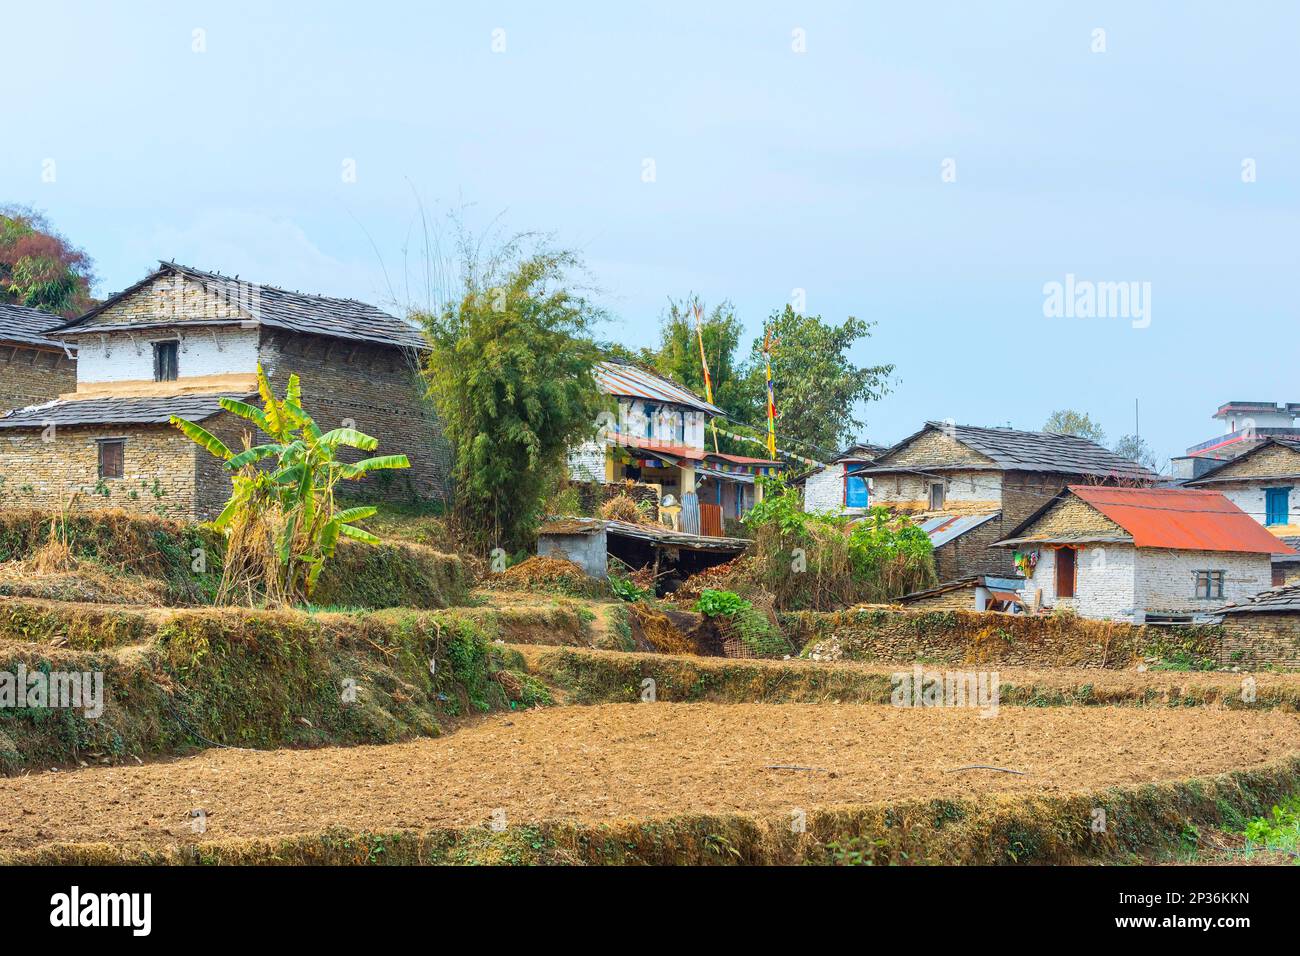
column 965, row 492
column 1257, row 638
column 30, row 376
column 158, row 470
column 943, row 637
column 379, row 390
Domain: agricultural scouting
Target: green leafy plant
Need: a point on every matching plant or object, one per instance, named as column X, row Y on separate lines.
column 282, row 522
column 720, row 603
column 625, row 588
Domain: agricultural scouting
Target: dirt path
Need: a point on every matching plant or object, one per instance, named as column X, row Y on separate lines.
column 614, row 760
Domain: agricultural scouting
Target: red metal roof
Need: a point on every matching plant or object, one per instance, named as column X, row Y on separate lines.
column 1181, row 518
column 654, row 447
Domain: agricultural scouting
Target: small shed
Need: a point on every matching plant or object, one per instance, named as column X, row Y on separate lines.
column 590, row 542
column 1263, row 629
column 974, row 592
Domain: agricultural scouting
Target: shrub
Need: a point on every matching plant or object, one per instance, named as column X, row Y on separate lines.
column 812, row 561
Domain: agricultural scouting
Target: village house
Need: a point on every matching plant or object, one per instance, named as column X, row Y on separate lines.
column 33, row 367
column 1260, row 481
column 1245, row 425
column 654, row 432
column 839, row 487
column 966, row 487
column 1155, row 555
column 174, row 344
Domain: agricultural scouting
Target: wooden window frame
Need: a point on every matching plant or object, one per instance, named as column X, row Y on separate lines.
column 1214, row 579
column 943, row 495
column 158, row 347
column 100, row 443
column 1285, row 493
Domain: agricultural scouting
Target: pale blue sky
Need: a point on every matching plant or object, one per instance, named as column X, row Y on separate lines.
column 775, row 170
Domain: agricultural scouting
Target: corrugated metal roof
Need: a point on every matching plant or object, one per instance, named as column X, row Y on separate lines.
column 156, row 410
column 630, row 381
column 1181, row 518
column 28, row 326
column 943, row 528
column 280, row 308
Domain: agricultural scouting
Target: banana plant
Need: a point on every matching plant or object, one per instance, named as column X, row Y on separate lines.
column 289, row 482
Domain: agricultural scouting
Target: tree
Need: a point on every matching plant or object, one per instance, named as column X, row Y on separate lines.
column 39, row 268
column 281, row 523
column 1135, row 448
column 678, row 356
column 1066, row 421
column 510, row 372
column 817, row 386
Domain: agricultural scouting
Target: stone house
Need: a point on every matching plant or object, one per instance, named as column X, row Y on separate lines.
column 967, row 487
column 33, row 367
column 1260, row 482
column 174, row 344
column 1263, row 629
column 1157, row 555
column 839, row 487
column 654, row 432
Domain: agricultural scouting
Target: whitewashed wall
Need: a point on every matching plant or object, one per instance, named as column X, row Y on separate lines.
column 1165, row 580
column 1104, row 584
column 962, row 487
column 119, row 359
column 823, row 490
column 632, row 421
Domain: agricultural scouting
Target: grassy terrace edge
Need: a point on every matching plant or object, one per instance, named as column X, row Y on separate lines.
column 1003, row 830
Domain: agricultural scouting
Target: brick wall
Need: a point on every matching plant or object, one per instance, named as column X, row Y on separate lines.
column 380, row 390
column 158, row 469
column 30, row 376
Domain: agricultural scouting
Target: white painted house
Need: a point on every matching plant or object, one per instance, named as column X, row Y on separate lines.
column 654, row 432
column 1262, row 482
column 1141, row 554
column 839, row 487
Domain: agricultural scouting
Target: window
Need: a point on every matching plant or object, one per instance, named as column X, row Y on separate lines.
column 650, row 421
column 855, row 489
column 1277, row 506
column 936, row 495
column 111, row 455
column 1065, row 568
column 681, row 428
column 164, row 361
column 1209, row 584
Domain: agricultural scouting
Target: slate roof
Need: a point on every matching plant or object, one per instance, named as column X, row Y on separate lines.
column 1279, row 600
column 156, row 410
column 630, row 381
column 1210, row 475
column 1012, row 450
column 282, row 309
column 28, row 326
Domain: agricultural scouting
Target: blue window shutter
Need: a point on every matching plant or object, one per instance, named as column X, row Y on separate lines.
column 1277, row 505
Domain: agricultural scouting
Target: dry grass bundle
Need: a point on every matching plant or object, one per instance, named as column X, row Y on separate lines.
column 622, row 507
column 55, row 556
column 551, row 575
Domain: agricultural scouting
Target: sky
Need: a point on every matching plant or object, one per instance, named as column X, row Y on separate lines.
column 930, row 167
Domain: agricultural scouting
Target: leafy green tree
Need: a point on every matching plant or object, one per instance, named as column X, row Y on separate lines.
column 678, row 355
column 510, row 374
column 817, row 385
column 1067, row 421
column 282, row 522
column 39, row 268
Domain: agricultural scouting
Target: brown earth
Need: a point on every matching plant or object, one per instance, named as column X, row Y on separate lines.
column 639, row 760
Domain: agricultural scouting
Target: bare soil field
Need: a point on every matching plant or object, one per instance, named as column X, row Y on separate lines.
column 616, row 761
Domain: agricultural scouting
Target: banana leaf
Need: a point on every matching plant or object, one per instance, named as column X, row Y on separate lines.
column 202, row 436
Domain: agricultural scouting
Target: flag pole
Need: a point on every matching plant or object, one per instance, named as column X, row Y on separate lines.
column 704, row 363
